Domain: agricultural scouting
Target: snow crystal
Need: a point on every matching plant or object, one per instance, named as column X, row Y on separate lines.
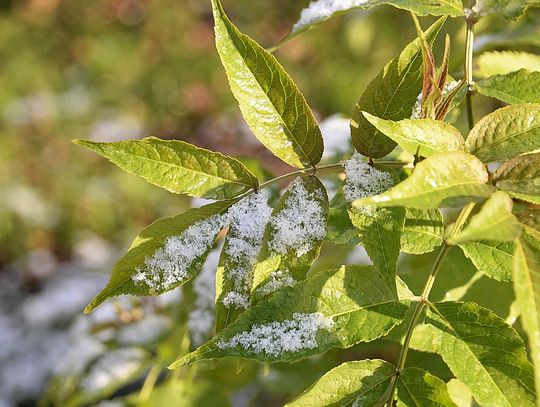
column 320, row 10
column 277, row 280
column 300, row 223
column 201, row 318
column 170, row 264
column 248, row 219
column 363, row 180
column 274, row 338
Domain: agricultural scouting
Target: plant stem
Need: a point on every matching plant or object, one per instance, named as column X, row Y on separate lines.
column 469, row 50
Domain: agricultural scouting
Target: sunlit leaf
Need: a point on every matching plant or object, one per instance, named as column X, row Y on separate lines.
column 269, row 100
column 391, row 95
column 503, row 62
column 494, row 221
column 484, row 352
column 520, row 178
column 517, row 87
column 423, row 231
column 166, row 254
column 444, row 179
column 423, row 137
column 491, row 257
column 178, row 166
column 416, row 387
column 506, row 9
column 506, row 133
column 336, row 308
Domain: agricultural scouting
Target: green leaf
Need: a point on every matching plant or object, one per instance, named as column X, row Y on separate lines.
column 506, row 133
column 506, row 9
column 418, row 388
column 530, row 218
column 148, row 268
column 178, row 167
column 527, row 289
column 444, row 179
column 494, row 221
column 484, row 352
column 460, row 394
column 517, row 87
column 520, row 177
column 391, row 95
column 365, row 380
column 423, row 231
column 379, row 230
column 423, row 137
column 336, row 308
column 293, row 237
column 504, row 62
column 340, row 229
column 269, row 100
column 311, row 16
column 493, row 258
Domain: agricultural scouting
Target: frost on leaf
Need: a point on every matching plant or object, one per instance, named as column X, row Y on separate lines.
column 248, row 219
column 275, row 338
column 300, row 223
column 277, row 280
column 201, row 318
column 363, row 180
column 320, row 10
column 171, row 264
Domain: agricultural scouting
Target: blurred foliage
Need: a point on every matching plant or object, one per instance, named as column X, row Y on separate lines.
column 116, row 69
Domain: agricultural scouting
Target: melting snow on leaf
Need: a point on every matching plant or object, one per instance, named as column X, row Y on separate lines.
column 170, row 265
column 274, row 338
column 277, row 280
column 363, row 180
column 248, row 219
column 300, row 223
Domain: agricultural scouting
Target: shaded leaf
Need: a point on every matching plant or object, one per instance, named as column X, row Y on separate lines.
column 178, row 167
column 444, row 179
column 391, row 95
column 494, row 221
column 517, row 87
column 506, row 133
column 423, row 231
column 340, row 228
column 269, row 100
column 293, row 237
column 493, row 258
column 527, row 289
column 506, row 9
column 520, row 177
column 530, row 218
column 138, row 271
column 342, row 307
column 423, row 137
column 484, row 352
column 418, row 388
column 365, row 380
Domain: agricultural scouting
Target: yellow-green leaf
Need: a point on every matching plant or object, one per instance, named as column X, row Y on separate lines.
column 520, row 178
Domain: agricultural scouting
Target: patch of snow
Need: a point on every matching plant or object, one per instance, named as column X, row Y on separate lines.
column 248, row 219
column 320, row 10
column 277, row 280
column 300, row 223
column 274, row 338
column 336, row 132
column 363, row 180
column 171, row 264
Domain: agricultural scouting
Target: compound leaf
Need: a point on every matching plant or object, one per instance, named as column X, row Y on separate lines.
column 493, row 258
column 423, row 231
column 520, row 177
column 517, row 87
column 269, row 100
column 416, row 387
column 178, row 167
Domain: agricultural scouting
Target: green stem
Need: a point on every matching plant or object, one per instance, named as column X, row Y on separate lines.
column 469, row 50
column 424, row 297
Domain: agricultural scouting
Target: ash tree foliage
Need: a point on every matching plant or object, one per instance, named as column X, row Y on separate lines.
column 416, row 184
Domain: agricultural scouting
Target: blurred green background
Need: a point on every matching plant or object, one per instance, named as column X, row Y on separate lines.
column 110, row 70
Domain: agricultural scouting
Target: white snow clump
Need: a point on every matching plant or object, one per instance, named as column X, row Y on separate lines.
column 274, row 338
column 363, row 180
column 320, row 10
column 300, row 223
column 170, row 265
